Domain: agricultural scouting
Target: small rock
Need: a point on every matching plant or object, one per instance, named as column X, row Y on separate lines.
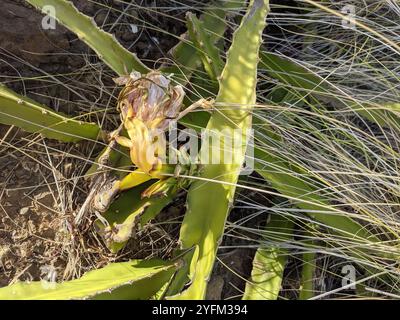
column 134, row 28
column 24, row 211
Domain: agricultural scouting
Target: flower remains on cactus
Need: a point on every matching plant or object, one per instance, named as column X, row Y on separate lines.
column 148, row 104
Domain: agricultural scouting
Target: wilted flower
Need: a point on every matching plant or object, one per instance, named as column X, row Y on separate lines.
column 150, row 98
column 148, row 104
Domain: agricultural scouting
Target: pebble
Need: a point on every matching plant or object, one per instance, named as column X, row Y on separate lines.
column 24, row 210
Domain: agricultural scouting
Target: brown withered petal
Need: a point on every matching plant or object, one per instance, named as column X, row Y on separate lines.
column 149, row 98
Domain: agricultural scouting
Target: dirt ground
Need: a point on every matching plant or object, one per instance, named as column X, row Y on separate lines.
column 42, row 182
